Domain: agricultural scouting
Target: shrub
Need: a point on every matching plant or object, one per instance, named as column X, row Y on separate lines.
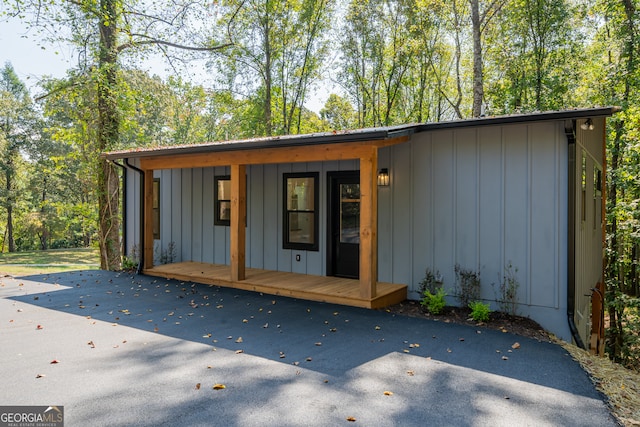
column 168, row 256
column 479, row 311
column 431, row 282
column 435, row 303
column 508, row 298
column 467, row 285
column 130, row 263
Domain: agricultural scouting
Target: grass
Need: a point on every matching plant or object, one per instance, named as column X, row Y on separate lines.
column 50, row 261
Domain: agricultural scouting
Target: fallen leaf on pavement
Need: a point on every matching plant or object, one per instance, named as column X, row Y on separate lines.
column 40, row 375
column 198, row 386
column 515, row 346
column 410, row 373
column 388, row 393
column 39, row 327
column 351, row 419
column 239, row 351
column 91, row 344
column 239, row 340
column 219, row 387
column 54, row 361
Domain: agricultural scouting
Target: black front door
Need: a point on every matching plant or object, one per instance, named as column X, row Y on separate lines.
column 343, row 258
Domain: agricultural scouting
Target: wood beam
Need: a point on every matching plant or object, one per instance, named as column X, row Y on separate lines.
column 147, row 245
column 369, row 224
column 308, row 153
column 238, row 221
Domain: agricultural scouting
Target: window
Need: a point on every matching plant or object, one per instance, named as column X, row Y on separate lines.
column 597, row 182
column 597, row 194
column 222, row 199
column 301, row 211
column 156, row 208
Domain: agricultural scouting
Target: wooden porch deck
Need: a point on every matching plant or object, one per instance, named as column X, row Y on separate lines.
column 329, row 289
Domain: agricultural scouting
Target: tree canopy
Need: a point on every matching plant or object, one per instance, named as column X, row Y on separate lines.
column 369, row 62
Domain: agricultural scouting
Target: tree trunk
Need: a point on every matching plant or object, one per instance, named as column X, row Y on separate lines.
column 478, row 83
column 613, row 264
column 268, row 122
column 9, row 187
column 44, row 237
column 11, row 240
column 108, row 135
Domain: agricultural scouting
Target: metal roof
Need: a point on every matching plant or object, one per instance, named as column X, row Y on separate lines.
column 360, row 135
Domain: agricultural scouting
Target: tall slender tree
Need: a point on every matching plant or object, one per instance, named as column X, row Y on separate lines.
column 482, row 13
column 16, row 132
column 104, row 31
column 278, row 52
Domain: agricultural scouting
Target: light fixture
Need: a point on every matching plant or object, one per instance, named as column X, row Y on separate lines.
column 587, row 125
column 383, row 177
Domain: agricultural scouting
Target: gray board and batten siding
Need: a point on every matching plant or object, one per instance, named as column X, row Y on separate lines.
column 481, row 196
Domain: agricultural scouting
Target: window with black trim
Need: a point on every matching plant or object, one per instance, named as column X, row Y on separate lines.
column 222, row 200
column 301, row 211
column 597, row 195
column 156, row 208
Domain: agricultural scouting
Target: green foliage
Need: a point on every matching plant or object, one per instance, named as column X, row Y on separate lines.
column 131, row 262
column 479, row 311
column 467, row 285
column 338, row 113
column 435, row 303
column 623, row 334
column 394, row 63
column 278, row 53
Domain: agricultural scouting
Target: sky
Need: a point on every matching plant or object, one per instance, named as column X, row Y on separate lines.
column 32, row 62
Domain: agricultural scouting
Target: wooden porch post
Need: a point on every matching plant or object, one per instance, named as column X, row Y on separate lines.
column 369, row 225
column 147, row 245
column 238, row 221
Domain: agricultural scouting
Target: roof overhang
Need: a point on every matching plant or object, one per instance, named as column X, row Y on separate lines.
column 371, row 136
column 324, row 146
column 522, row 118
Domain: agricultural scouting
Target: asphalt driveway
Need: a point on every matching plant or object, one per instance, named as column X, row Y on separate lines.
column 135, row 350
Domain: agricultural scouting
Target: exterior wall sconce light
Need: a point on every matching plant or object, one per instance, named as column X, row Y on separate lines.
column 587, row 125
column 383, row 177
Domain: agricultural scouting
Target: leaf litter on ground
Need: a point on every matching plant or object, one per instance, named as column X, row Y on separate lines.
column 619, row 384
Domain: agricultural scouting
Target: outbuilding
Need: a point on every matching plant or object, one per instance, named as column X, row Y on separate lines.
column 358, row 217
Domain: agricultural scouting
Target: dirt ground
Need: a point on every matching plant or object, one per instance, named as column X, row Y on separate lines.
column 500, row 321
column 621, row 386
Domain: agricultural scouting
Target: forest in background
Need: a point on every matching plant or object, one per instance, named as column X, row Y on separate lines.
column 389, row 62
